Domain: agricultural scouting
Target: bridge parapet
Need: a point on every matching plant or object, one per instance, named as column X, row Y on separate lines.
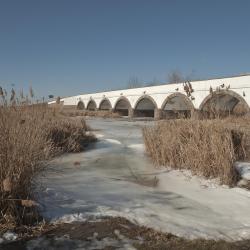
column 173, row 97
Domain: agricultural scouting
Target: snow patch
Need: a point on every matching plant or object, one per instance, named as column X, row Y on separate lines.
column 139, row 147
column 113, row 141
column 9, row 236
column 88, row 133
column 69, row 218
column 99, row 135
column 243, row 169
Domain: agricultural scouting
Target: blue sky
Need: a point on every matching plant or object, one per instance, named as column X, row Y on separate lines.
column 67, row 47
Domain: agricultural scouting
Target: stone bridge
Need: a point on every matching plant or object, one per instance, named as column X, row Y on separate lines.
column 169, row 101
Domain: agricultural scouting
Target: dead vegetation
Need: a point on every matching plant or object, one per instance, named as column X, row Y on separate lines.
column 90, row 113
column 208, row 148
column 31, row 135
column 69, row 135
column 142, row 238
column 98, row 113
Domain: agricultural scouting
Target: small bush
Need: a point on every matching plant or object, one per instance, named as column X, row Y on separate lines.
column 69, row 135
column 208, row 148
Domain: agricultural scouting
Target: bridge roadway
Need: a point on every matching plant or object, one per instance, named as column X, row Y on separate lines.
column 170, row 100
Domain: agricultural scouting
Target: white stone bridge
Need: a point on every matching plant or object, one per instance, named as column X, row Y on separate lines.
column 222, row 94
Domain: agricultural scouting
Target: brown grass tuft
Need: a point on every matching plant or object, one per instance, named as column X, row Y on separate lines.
column 208, row 148
column 69, row 135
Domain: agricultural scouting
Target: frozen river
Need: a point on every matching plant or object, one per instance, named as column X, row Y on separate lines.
column 108, row 180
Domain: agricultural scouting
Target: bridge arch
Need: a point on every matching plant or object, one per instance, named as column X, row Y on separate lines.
column 105, row 104
column 177, row 105
column 91, row 105
column 122, row 106
column 80, row 105
column 223, row 102
column 145, row 107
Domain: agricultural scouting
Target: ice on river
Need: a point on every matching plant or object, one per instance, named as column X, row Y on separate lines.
column 105, row 183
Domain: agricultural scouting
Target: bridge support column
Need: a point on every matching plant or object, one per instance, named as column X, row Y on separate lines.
column 157, row 114
column 130, row 113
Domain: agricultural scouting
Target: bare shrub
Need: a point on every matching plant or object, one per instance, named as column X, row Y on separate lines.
column 208, row 148
column 134, row 82
column 30, row 135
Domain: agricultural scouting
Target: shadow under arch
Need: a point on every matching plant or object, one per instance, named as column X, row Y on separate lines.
column 145, row 107
column 177, row 105
column 223, row 103
column 91, row 105
column 80, row 105
column 105, row 104
column 122, row 106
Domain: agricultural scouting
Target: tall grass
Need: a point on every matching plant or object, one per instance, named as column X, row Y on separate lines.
column 30, row 135
column 98, row 113
column 206, row 147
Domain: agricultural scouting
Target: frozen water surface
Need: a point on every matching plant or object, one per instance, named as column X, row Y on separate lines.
column 106, row 184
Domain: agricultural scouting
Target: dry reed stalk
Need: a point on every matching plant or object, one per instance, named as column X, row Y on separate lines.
column 208, row 148
column 98, row 113
column 31, row 135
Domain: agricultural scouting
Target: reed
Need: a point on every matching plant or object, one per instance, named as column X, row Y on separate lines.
column 30, row 136
column 97, row 113
column 208, row 148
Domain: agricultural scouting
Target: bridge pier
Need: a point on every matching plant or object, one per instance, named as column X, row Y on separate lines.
column 130, row 112
column 157, row 114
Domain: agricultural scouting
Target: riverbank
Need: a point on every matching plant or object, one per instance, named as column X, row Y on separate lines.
column 116, row 233
column 31, row 135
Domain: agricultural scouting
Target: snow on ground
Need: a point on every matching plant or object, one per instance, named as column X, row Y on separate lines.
column 112, row 141
column 105, row 184
column 244, row 169
column 93, row 243
column 139, row 147
column 8, row 236
column 98, row 135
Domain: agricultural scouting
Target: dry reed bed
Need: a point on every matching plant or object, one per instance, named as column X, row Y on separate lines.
column 208, row 148
column 30, row 136
column 97, row 113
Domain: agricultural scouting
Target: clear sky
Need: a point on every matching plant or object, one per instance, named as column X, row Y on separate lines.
column 67, row 47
